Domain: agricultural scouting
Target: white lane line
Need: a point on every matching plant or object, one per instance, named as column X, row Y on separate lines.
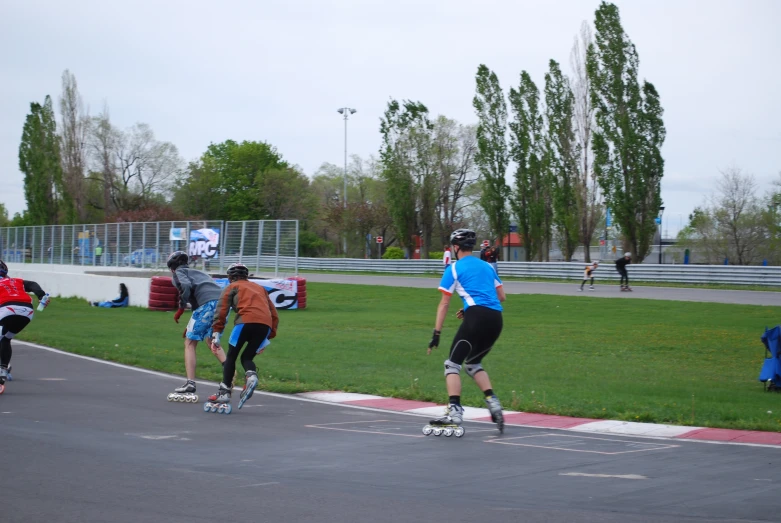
column 617, row 476
column 260, row 484
column 52, row 379
column 360, row 407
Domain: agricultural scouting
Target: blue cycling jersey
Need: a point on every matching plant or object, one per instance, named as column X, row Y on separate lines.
column 474, row 280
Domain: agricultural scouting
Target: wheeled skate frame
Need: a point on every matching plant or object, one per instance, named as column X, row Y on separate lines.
column 443, row 429
column 219, row 408
column 184, row 397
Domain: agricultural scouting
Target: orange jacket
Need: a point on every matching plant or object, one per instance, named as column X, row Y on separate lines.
column 251, row 303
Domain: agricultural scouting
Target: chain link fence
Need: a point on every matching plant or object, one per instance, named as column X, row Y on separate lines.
column 213, row 244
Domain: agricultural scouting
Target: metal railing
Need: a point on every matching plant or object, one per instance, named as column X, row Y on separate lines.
column 148, row 245
column 693, row 274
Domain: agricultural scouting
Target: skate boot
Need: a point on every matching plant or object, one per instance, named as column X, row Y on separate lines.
column 251, row 381
column 591, row 288
column 3, row 375
column 449, row 424
column 10, row 378
column 495, row 408
column 219, row 402
column 185, row 393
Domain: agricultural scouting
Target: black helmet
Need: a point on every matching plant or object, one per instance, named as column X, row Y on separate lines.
column 464, row 238
column 3, row 269
column 237, row 271
column 177, row 259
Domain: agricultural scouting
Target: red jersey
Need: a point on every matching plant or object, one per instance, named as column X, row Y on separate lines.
column 12, row 291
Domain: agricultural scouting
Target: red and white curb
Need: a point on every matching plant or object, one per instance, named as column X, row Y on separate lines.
column 524, row 419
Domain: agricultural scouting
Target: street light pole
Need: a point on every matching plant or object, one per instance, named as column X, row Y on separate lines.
column 346, row 111
column 661, row 213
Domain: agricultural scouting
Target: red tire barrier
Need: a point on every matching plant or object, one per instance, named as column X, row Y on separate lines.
column 163, row 304
column 301, row 290
column 155, row 294
column 163, row 296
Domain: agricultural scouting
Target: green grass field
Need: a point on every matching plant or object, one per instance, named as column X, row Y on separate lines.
column 634, row 360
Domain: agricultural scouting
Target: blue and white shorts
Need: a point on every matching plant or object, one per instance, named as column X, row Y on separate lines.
column 200, row 326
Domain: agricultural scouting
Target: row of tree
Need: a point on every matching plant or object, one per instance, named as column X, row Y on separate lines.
column 86, row 169
column 594, row 139
column 548, row 165
column 736, row 225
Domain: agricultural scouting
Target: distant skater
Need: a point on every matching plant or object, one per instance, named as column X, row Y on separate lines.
column 589, row 274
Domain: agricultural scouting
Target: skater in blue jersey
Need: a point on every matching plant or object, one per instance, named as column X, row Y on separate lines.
column 481, row 291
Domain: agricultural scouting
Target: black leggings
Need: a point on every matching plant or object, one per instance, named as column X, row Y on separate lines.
column 624, row 277
column 584, row 282
column 253, row 335
column 13, row 325
column 479, row 331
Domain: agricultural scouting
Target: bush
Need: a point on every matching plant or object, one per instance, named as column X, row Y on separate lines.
column 435, row 255
column 393, row 253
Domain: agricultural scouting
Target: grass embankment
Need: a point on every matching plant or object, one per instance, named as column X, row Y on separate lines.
column 635, row 360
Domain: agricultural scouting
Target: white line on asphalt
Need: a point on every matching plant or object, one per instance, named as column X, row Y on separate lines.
column 260, row 484
column 360, row 407
column 618, row 476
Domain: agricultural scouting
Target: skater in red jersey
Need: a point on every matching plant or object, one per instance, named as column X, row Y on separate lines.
column 16, row 311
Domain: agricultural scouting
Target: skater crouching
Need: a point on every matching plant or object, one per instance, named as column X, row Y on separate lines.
column 621, row 264
column 199, row 290
column 16, row 312
column 589, row 273
column 481, row 290
column 255, row 324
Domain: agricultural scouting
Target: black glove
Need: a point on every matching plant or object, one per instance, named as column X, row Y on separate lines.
column 434, row 340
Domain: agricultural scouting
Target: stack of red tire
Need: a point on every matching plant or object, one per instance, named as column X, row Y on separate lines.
column 301, row 291
column 163, row 296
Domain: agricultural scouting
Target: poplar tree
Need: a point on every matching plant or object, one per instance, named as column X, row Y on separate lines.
column 629, row 132
column 492, row 155
column 562, row 158
column 39, row 161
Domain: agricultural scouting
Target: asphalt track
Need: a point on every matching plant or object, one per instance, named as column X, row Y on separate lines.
column 86, row 441
column 571, row 289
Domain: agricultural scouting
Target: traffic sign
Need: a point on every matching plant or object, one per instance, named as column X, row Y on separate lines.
column 379, row 239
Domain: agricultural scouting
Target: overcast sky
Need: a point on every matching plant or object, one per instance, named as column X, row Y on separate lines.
column 201, row 72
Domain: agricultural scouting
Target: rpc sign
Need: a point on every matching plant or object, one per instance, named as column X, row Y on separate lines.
column 205, row 243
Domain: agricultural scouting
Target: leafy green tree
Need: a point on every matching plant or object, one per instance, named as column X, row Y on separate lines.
column 629, row 134
column 492, row 156
column 228, row 179
column 4, row 221
column 39, row 160
column 531, row 196
column 563, row 157
column 408, row 171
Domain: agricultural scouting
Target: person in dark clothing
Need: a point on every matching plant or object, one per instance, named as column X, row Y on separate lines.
column 621, row 264
column 122, row 301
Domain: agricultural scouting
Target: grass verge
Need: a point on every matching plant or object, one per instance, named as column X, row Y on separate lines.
column 634, row 360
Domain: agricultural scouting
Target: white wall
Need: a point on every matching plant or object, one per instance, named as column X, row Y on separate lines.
column 70, row 281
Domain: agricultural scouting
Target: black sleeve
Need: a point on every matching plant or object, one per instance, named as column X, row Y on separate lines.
column 31, row 286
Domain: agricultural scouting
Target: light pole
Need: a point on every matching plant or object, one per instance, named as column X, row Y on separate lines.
column 661, row 212
column 346, row 111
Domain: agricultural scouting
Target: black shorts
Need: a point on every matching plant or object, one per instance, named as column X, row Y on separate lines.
column 12, row 325
column 479, row 330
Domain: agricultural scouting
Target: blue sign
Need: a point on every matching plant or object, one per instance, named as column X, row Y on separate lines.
column 658, row 220
column 608, row 219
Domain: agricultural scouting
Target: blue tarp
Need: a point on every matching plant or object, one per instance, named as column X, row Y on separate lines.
column 771, row 368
